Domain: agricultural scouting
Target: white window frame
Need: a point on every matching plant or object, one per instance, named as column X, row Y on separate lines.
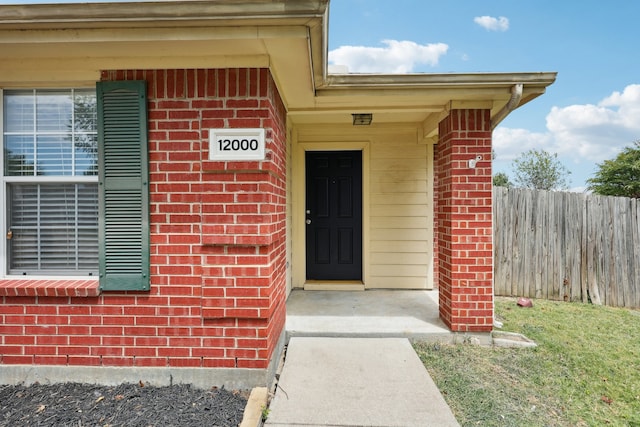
column 6, row 180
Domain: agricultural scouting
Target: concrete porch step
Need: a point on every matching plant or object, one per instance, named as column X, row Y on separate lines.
column 409, row 314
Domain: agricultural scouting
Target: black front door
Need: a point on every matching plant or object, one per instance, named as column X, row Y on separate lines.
column 334, row 215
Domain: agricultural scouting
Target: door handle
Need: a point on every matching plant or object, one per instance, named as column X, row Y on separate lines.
column 308, row 221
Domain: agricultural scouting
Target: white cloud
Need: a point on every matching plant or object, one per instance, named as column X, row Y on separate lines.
column 395, row 57
column 597, row 132
column 628, row 103
column 584, row 133
column 510, row 143
column 491, row 23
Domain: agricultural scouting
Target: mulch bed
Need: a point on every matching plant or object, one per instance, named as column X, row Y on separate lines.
column 73, row 404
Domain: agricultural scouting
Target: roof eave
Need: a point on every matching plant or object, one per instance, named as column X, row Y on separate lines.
column 442, row 80
column 82, row 15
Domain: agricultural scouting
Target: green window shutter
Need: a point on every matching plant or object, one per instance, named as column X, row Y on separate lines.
column 123, row 185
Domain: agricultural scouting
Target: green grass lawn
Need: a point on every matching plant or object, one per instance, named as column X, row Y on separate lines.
column 584, row 372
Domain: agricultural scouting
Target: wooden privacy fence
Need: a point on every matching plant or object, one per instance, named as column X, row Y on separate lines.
column 567, row 246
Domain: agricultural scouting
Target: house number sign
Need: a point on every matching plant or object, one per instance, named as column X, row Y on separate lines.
column 236, row 144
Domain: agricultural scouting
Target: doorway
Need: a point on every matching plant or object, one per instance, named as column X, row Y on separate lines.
column 333, row 215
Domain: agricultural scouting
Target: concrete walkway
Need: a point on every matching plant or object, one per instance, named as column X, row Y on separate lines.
column 356, row 382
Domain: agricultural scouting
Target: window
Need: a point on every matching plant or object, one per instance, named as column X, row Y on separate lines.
column 50, row 182
column 75, row 183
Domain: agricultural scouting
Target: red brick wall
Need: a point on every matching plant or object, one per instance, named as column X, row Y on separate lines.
column 217, row 294
column 464, row 214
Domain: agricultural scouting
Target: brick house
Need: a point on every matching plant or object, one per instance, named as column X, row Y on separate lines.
column 173, row 170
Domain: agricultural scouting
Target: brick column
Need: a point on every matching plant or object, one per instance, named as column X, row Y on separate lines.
column 243, row 222
column 464, row 215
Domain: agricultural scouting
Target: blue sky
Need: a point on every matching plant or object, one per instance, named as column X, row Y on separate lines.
column 590, row 112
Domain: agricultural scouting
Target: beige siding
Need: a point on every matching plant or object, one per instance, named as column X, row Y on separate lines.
column 399, row 211
column 405, row 211
column 399, row 246
column 289, row 213
column 398, row 208
column 410, row 222
column 397, row 258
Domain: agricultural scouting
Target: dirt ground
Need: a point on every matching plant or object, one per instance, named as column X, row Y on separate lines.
column 78, row 405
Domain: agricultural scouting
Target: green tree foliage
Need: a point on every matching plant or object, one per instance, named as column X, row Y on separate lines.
column 620, row 176
column 540, row 170
column 501, row 179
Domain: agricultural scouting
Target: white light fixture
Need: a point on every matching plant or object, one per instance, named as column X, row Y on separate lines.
column 362, row 119
column 473, row 162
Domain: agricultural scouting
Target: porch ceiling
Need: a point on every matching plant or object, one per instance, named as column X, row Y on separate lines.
column 69, row 44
